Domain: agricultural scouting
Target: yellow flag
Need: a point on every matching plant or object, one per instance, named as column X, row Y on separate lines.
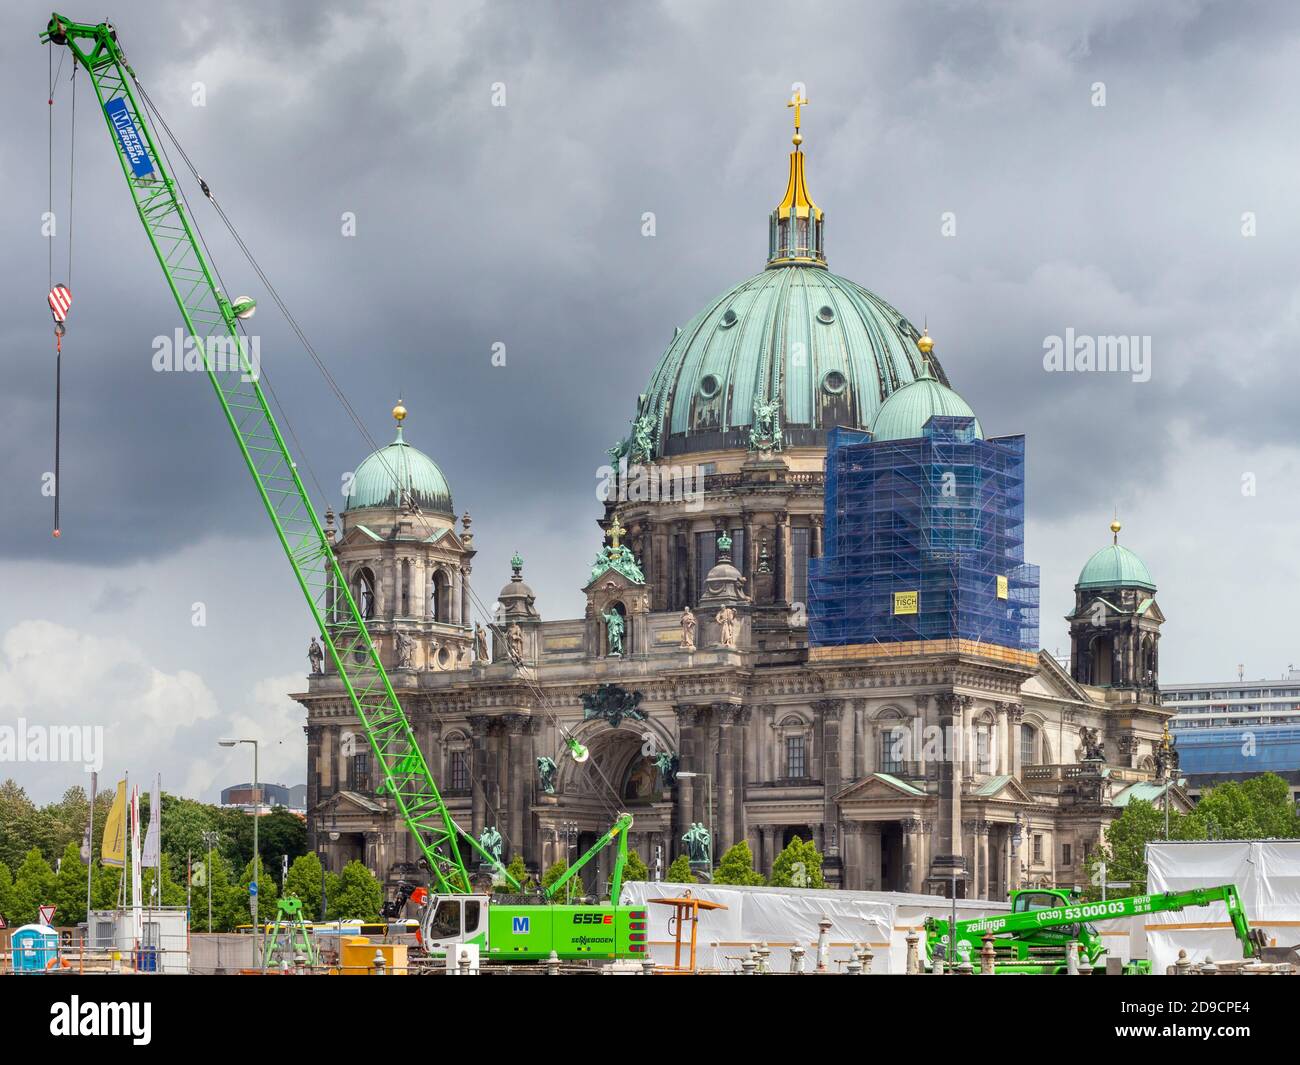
column 114, row 849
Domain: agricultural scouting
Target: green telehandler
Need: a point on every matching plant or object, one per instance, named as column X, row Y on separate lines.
column 1045, row 924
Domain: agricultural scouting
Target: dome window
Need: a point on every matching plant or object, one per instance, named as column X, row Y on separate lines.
column 834, row 382
column 728, row 319
column 709, row 386
column 826, row 314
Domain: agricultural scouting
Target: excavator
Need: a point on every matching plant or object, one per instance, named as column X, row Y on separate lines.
column 517, row 927
column 1046, row 924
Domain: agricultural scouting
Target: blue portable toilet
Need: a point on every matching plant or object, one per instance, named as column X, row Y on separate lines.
column 34, row 948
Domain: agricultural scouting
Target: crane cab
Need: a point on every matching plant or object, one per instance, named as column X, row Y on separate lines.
column 448, row 919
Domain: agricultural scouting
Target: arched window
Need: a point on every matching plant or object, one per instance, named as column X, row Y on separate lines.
column 363, row 592
column 984, row 745
column 1102, row 651
column 440, row 597
column 406, row 588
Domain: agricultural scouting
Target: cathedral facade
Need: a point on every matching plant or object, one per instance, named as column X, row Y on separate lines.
column 933, row 750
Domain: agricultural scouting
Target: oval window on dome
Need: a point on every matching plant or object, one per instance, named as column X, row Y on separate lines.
column 834, row 382
column 826, row 314
column 708, row 386
column 728, row 319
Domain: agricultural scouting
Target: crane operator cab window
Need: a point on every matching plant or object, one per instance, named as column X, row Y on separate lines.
column 1046, row 900
column 458, row 918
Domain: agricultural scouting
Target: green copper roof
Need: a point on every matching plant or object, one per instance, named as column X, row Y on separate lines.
column 905, row 413
column 398, row 475
column 831, row 350
column 1116, row 567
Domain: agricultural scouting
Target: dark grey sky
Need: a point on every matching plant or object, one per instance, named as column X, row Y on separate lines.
column 522, row 225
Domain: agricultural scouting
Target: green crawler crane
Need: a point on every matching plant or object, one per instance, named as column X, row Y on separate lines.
column 212, row 323
column 1045, row 924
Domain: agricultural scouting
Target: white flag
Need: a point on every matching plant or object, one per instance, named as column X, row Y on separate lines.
column 151, row 839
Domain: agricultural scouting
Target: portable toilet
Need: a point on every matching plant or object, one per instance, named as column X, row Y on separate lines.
column 34, row 948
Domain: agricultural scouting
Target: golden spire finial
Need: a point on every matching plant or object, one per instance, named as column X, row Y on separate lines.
column 399, row 413
column 1115, row 527
column 797, row 101
column 925, row 342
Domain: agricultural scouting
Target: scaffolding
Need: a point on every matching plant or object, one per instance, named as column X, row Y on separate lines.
column 924, row 540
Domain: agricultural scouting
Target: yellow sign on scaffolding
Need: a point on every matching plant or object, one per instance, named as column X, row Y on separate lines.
column 906, row 602
column 1002, row 587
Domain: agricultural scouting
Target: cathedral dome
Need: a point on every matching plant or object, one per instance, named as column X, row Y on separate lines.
column 399, row 476
column 814, row 348
column 1115, row 567
column 904, row 414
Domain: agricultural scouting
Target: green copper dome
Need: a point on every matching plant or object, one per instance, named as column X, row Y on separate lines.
column 904, row 414
column 780, row 358
column 824, row 350
column 397, row 476
column 1116, row 567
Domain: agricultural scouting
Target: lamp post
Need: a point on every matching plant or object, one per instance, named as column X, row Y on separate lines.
column 257, row 864
column 708, row 808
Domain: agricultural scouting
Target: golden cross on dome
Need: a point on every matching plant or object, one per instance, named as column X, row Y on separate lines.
column 797, row 101
column 615, row 531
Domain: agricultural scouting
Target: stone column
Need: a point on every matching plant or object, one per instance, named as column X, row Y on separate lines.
column 516, row 724
column 912, row 871
column 1015, row 716
column 854, row 868
column 782, row 561
column 817, row 547
column 742, row 744
column 872, row 859
column 726, row 717
column 771, row 847
column 478, row 723
column 828, row 714
column 686, row 718
column 982, row 850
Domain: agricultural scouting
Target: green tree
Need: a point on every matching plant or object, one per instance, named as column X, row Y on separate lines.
column 355, row 893
column 33, row 887
column 738, row 866
column 679, row 872
column 70, row 887
column 305, row 880
column 799, row 865
column 1258, row 808
column 1123, row 847
column 635, row 869
column 555, row 872
column 6, row 894
column 519, row 871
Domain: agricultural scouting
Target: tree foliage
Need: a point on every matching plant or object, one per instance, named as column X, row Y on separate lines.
column 354, row 893
column 33, row 887
column 635, row 869
column 519, row 871
column 305, row 880
column 799, row 865
column 737, row 866
column 679, row 872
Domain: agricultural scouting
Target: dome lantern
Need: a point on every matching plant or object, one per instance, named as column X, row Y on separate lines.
column 795, row 229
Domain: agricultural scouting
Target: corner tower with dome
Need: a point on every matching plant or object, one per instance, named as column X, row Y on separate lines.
column 691, row 683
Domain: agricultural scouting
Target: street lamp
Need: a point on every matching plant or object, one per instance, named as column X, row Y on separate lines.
column 708, row 812
column 257, row 864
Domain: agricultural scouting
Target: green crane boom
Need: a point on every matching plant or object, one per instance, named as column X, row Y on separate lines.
column 212, row 322
column 1026, row 939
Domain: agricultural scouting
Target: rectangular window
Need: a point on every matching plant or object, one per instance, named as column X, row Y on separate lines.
column 706, row 554
column 800, row 539
column 1028, row 745
column 459, row 775
column 1038, row 848
column 361, row 771
column 1065, row 854
column 983, row 752
column 796, row 757
column 891, row 760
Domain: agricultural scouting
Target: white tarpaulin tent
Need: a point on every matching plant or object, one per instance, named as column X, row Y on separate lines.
column 782, row 917
column 1267, row 876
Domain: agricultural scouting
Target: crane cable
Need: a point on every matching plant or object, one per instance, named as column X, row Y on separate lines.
column 354, row 417
column 59, row 328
